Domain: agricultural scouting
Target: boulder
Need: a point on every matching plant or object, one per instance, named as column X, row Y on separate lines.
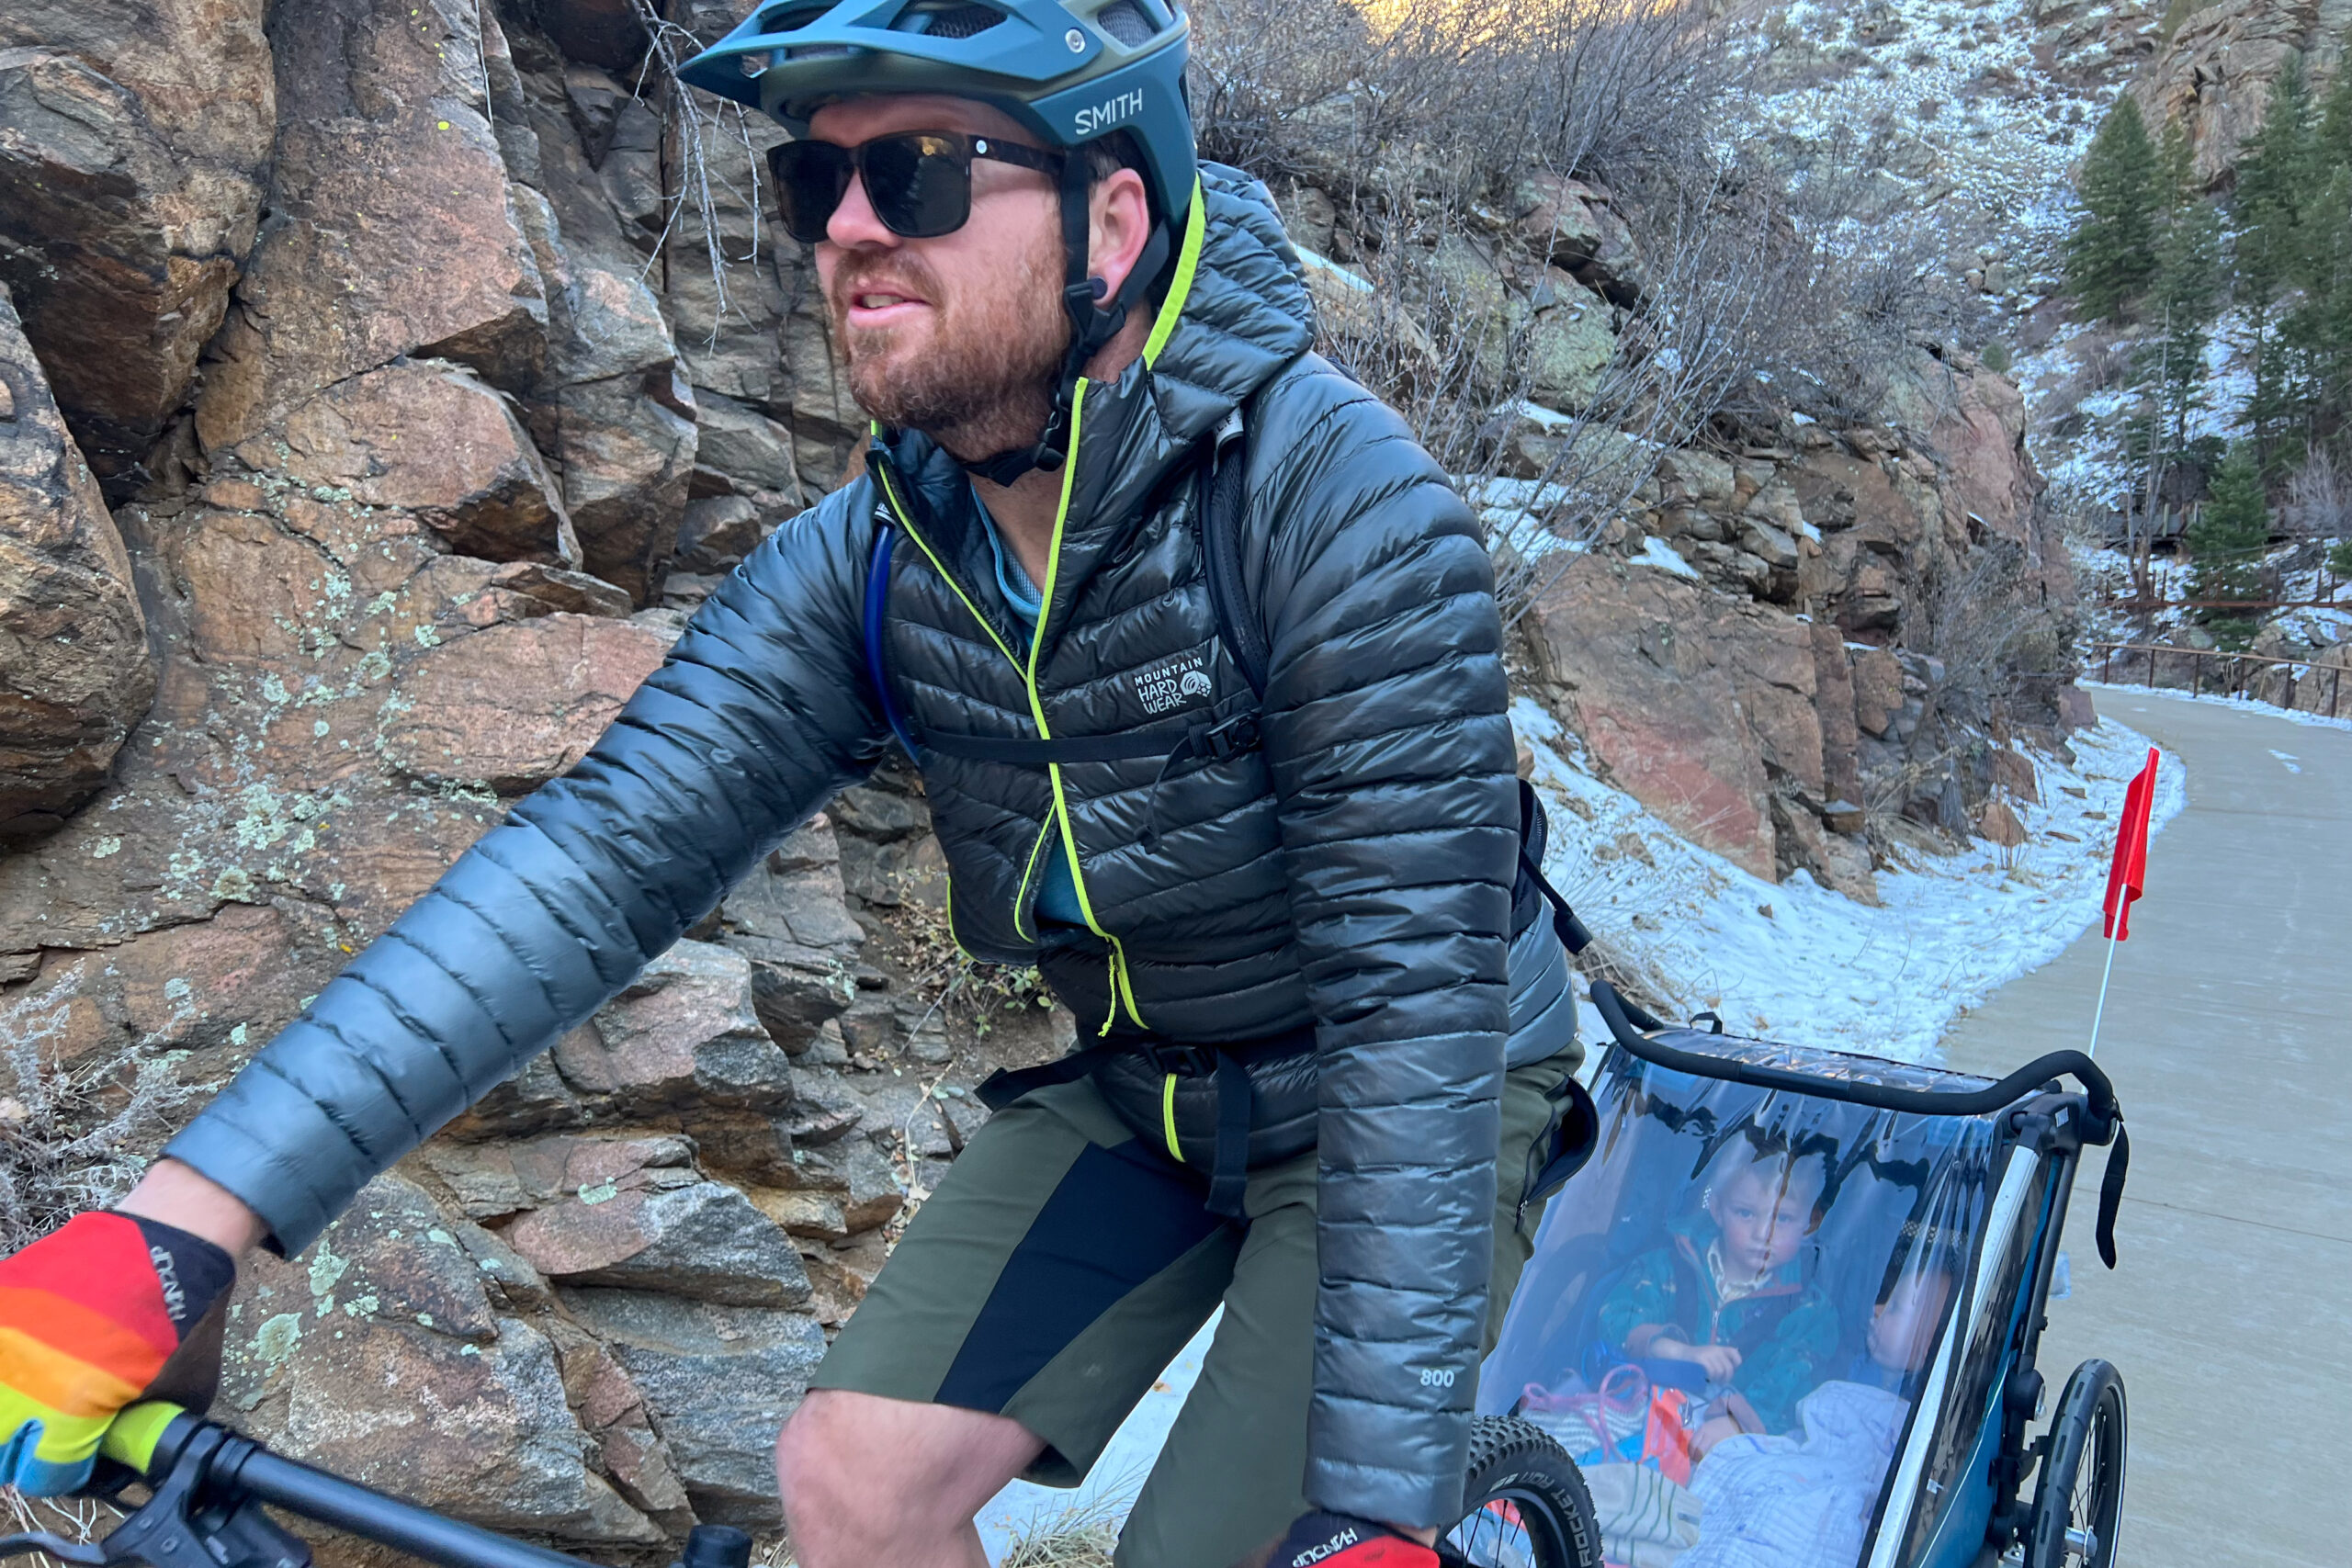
column 74, row 669
column 213, row 987
column 434, row 441
column 495, row 1182
column 516, row 704
column 740, row 449
column 383, row 1352
column 684, row 1033
column 718, row 532
column 1834, row 703
column 1688, row 703
column 424, row 255
column 134, row 143
column 704, row 1240
column 1840, row 862
column 790, row 918
column 1973, row 421
column 717, row 1382
column 1573, row 225
column 1570, row 344
column 2014, row 773
column 1999, row 824
column 626, row 447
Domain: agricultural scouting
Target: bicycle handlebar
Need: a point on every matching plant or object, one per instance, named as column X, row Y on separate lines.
column 207, row 1480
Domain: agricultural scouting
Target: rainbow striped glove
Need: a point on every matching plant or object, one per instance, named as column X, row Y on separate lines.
column 88, row 1316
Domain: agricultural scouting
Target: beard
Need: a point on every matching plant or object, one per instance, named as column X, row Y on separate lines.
column 980, row 380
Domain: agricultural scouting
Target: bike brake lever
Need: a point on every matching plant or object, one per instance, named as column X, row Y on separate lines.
column 178, row 1528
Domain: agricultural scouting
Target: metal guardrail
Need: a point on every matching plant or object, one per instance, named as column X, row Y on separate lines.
column 2237, row 675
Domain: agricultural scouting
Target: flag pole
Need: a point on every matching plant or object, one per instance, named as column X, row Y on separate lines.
column 2126, row 875
column 2098, row 1017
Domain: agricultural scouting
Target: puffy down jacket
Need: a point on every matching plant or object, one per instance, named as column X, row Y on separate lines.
column 1354, row 871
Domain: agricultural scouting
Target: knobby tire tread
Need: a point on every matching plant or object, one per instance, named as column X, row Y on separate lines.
column 1511, row 1454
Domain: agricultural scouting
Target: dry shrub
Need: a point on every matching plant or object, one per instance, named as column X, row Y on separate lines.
column 1758, row 293
column 71, row 1137
column 703, row 138
column 2319, row 498
column 1991, row 622
column 1481, row 90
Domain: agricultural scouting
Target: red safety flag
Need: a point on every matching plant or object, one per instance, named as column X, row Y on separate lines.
column 2128, row 874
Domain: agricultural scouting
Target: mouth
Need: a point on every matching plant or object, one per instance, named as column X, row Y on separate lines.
column 871, row 308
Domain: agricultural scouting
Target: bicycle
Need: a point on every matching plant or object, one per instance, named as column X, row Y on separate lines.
column 209, row 1490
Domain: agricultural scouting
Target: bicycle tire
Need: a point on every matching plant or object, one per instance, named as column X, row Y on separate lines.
column 1523, row 1484
column 2079, row 1500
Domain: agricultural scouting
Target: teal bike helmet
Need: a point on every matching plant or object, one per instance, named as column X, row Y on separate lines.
column 1071, row 72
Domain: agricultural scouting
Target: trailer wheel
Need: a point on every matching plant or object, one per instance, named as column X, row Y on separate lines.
column 2078, row 1502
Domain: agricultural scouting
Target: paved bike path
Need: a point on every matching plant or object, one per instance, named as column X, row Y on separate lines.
column 2228, row 1037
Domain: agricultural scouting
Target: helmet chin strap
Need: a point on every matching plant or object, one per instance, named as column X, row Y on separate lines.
column 1090, row 325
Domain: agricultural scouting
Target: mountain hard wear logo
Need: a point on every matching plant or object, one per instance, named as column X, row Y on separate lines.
column 1173, row 683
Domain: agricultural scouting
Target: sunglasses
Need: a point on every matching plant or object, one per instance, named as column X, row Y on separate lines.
column 919, row 182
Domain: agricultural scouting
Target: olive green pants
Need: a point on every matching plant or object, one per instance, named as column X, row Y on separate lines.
column 1062, row 1265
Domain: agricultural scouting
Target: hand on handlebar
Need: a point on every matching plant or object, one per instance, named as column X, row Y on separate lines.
column 91, row 1318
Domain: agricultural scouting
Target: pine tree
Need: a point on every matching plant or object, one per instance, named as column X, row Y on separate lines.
column 2278, row 177
column 2183, row 300
column 2109, row 256
column 2184, row 297
column 2317, row 330
column 2226, row 544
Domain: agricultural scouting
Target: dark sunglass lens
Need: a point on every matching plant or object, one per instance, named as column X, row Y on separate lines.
column 811, row 178
column 919, row 186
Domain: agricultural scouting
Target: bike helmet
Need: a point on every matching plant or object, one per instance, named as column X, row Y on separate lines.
column 1071, row 72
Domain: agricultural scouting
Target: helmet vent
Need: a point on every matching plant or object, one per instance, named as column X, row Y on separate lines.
column 792, row 18
column 1125, row 20
column 956, row 18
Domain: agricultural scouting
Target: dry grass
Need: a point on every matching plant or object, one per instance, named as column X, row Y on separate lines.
column 77, row 1519
column 71, row 1137
column 1082, row 1536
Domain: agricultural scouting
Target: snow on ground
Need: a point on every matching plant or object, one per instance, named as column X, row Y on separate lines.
column 1818, row 969
column 2243, row 705
column 1962, row 79
column 1798, row 963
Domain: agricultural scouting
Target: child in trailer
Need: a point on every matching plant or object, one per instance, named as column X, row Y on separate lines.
column 1804, row 1500
column 1728, row 1309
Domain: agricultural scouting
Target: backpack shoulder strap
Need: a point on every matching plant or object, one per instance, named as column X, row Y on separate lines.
column 1220, row 519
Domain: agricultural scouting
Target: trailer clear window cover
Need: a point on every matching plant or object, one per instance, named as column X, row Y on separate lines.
column 1733, row 1312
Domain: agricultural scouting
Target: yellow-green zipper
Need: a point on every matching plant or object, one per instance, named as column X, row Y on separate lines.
column 1122, row 987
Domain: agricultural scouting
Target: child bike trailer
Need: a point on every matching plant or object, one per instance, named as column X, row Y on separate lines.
column 1787, row 1315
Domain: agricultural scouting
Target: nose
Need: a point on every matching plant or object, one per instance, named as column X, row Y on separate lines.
column 854, row 225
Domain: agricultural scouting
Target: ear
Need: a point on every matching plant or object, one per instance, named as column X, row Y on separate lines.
column 1120, row 226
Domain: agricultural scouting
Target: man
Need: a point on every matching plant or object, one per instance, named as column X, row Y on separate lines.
column 1316, row 991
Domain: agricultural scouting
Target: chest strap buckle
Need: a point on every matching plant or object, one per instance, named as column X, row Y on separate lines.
column 1235, row 737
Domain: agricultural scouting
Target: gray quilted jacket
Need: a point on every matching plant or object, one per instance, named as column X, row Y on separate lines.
column 1354, row 871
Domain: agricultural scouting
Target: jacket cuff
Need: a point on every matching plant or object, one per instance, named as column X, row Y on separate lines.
column 1390, row 1496
column 258, row 1171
